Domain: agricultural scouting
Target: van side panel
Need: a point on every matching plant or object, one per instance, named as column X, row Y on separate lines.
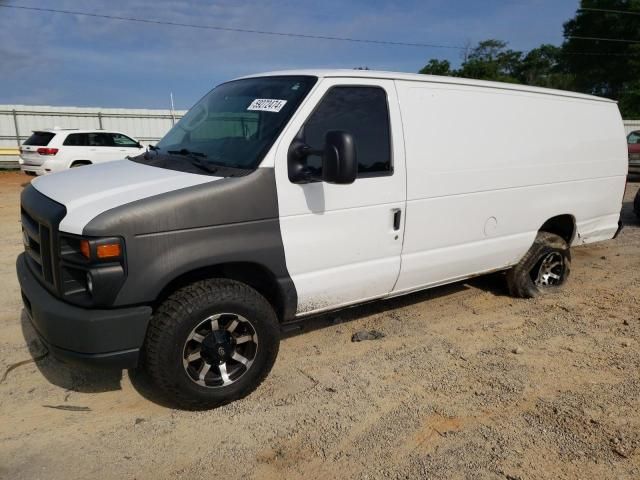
column 487, row 167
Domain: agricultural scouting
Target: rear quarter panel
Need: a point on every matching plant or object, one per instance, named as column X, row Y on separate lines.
column 487, row 167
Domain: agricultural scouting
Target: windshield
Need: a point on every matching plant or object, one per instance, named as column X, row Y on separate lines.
column 236, row 123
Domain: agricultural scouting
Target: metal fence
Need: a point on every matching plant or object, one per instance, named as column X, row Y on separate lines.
column 631, row 125
column 148, row 126
column 17, row 122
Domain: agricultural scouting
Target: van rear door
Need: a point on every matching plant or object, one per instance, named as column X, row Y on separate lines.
column 343, row 242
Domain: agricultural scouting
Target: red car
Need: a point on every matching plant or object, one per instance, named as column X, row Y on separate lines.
column 633, row 142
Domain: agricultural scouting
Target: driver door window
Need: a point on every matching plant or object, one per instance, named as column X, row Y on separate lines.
column 360, row 111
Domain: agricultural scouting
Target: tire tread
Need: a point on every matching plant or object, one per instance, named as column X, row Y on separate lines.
column 183, row 303
column 518, row 281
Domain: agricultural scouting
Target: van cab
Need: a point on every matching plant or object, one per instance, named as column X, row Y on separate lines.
column 283, row 195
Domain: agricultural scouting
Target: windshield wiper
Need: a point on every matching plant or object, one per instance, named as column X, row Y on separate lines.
column 194, row 158
column 185, row 152
column 202, row 165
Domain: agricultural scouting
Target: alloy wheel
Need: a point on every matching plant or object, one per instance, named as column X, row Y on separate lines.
column 220, row 350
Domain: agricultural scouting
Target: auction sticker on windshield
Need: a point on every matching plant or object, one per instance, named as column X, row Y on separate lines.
column 267, row 105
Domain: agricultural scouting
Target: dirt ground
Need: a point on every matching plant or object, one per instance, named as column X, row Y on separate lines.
column 467, row 383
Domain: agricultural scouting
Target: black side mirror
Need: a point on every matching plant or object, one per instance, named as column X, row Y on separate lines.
column 339, row 162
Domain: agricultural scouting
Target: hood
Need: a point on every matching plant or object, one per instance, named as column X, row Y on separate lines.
column 91, row 190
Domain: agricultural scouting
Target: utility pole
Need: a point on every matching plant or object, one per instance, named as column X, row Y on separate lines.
column 173, row 117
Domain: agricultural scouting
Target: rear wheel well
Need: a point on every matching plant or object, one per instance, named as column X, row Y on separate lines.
column 254, row 275
column 79, row 163
column 562, row 225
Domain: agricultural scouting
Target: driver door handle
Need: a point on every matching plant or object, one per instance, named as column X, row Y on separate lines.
column 397, row 216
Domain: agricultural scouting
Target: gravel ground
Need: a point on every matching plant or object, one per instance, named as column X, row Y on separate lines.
column 465, row 383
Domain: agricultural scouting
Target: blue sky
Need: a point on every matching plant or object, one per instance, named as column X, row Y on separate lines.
column 53, row 59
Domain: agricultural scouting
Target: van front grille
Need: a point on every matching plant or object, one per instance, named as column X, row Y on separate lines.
column 37, row 245
column 40, row 217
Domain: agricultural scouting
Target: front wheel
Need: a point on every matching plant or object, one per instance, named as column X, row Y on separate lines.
column 545, row 267
column 211, row 343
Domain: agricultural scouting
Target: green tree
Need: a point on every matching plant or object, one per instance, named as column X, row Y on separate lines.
column 600, row 67
column 437, row 67
column 491, row 60
column 590, row 64
column 544, row 67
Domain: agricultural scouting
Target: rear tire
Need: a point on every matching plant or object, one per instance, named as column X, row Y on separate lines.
column 544, row 269
column 211, row 343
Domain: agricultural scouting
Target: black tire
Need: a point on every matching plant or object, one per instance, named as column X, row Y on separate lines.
column 173, row 324
column 523, row 280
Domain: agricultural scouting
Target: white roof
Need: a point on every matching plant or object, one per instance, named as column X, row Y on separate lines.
column 419, row 77
column 77, row 130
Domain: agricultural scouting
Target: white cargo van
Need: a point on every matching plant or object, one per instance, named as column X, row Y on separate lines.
column 287, row 194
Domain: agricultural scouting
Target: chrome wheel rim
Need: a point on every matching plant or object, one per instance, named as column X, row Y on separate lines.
column 550, row 270
column 220, row 350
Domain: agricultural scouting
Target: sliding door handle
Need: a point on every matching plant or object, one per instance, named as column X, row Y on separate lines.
column 397, row 216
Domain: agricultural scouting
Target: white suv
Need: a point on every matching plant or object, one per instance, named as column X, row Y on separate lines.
column 53, row 150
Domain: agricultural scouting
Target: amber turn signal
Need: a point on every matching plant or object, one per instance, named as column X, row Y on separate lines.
column 85, row 249
column 108, row 250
